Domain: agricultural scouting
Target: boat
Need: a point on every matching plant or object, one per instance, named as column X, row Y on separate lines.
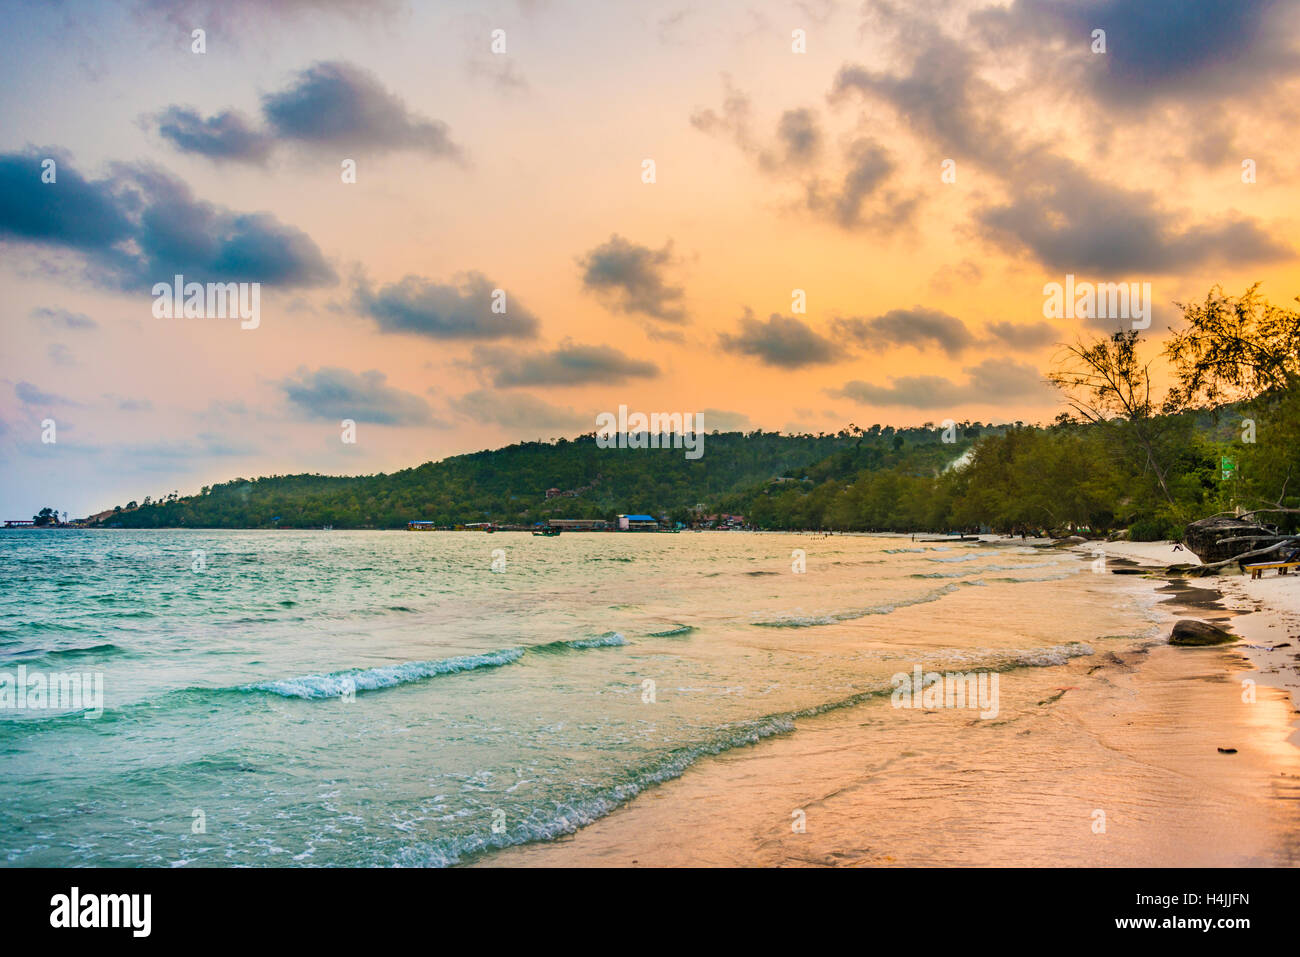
column 546, row 532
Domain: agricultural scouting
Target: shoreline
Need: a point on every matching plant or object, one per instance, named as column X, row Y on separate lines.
column 1157, row 739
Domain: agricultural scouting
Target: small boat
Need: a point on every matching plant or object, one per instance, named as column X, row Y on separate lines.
column 546, row 532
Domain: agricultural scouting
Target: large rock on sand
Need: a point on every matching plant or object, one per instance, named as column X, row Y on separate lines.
column 1191, row 632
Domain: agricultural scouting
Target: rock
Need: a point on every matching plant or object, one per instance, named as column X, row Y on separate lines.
column 1191, row 632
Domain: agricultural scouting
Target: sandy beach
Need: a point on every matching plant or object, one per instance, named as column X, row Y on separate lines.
column 1158, row 756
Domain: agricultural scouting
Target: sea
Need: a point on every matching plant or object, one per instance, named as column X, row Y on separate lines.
column 427, row 699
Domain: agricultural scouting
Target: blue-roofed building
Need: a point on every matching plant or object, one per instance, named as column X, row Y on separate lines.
column 637, row 523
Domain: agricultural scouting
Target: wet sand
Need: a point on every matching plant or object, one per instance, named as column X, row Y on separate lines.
column 1112, row 759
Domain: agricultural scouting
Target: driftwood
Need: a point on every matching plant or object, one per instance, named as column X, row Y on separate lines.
column 1203, row 569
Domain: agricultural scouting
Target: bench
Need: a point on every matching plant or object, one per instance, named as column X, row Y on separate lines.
column 1257, row 571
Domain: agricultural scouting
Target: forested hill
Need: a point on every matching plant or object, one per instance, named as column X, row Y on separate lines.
column 509, row 485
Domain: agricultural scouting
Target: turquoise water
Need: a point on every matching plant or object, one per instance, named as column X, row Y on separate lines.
column 391, row 698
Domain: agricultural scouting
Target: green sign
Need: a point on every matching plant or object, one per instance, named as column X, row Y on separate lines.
column 1228, row 466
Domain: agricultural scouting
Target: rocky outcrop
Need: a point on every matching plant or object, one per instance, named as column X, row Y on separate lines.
column 1208, row 538
column 1192, row 632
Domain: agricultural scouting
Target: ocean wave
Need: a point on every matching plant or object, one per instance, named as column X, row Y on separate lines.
column 338, row 683
column 676, row 631
column 810, row 621
column 563, row 817
column 63, row 654
column 610, row 639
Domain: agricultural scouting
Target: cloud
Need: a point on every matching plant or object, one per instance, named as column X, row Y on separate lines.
column 1069, row 220
column 633, row 278
column 1157, row 50
column 71, row 212
column 917, row 326
column 29, row 394
column 63, row 318
column 569, row 364
column 143, row 226
column 422, row 307
column 335, row 394
column 844, row 197
column 1057, row 211
column 868, row 169
column 330, row 104
column 338, row 104
column 722, row 420
column 225, row 136
column 991, row 382
column 781, row 341
column 798, row 138
column 519, row 411
column 1024, row 335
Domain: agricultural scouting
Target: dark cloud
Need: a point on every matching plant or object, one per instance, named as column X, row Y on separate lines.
column 798, row 138
column 330, row 104
column 856, row 195
column 868, row 168
column 781, row 341
column 1064, row 215
column 519, row 411
column 143, row 226
column 941, row 96
column 991, row 382
column 338, row 104
column 226, row 136
column 569, row 364
column 633, row 278
column 1157, row 49
column 917, row 326
column 71, row 212
column 1024, row 335
column 336, row 394
column 462, row 311
column 76, row 321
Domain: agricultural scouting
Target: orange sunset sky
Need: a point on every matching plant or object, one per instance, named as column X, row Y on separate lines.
column 775, row 170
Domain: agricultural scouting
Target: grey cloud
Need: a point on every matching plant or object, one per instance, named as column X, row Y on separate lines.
column 990, row 382
column 723, row 420
column 144, row 226
column 330, row 104
column 463, row 311
column 781, row 341
column 225, row 136
column 1062, row 214
column 335, row 394
column 77, row 321
column 29, row 394
column 1157, row 49
column 917, row 326
column 569, row 364
column 1026, row 335
column 519, row 411
column 634, row 278
column 338, row 104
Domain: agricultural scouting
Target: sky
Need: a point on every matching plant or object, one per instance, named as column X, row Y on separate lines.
column 786, row 216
